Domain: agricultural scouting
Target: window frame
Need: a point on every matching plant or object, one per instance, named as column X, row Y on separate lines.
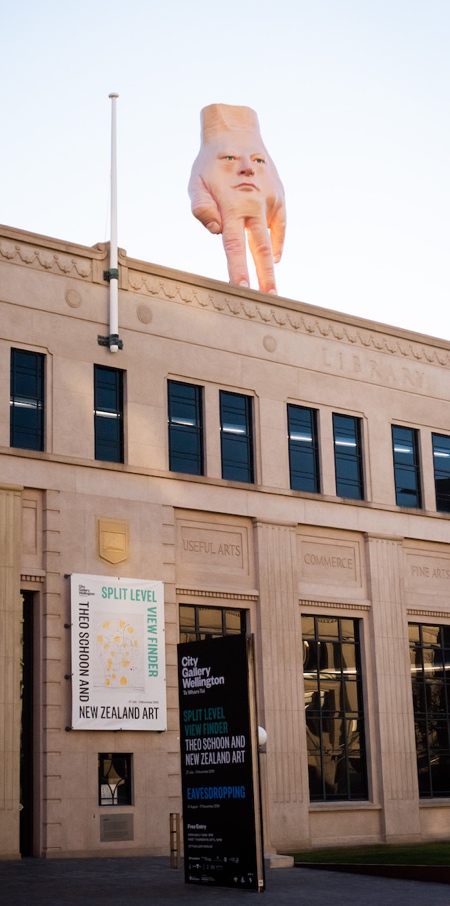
column 298, row 450
column 408, row 468
column 26, row 402
column 342, row 459
column 126, row 797
column 105, row 414
column 182, row 431
column 196, row 631
column 442, row 498
column 238, row 439
column 430, row 688
column 329, row 686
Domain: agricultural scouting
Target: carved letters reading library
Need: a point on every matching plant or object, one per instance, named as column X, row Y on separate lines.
column 243, row 463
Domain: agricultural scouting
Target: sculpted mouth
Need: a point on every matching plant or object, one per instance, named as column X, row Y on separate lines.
column 246, row 185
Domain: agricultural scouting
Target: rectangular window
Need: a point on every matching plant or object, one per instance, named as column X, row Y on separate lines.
column 114, row 779
column 185, row 428
column 108, row 413
column 334, row 709
column 303, row 449
column 236, row 436
column 198, row 623
column 441, row 459
column 406, row 466
column 27, row 400
column 348, row 456
column 430, row 677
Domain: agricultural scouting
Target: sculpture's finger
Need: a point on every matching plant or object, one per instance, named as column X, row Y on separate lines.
column 277, row 232
column 261, row 249
column 203, row 206
column 233, row 237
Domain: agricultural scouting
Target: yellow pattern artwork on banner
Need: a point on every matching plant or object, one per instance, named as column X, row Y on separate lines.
column 120, row 653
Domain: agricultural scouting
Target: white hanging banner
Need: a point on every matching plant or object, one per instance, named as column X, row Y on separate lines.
column 118, row 654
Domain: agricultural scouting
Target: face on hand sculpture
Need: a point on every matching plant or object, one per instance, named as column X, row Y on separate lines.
column 235, row 190
column 244, row 170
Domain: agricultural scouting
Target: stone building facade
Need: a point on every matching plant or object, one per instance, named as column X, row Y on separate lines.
column 282, row 470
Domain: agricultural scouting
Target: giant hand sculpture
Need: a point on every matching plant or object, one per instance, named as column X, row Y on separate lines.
column 235, row 188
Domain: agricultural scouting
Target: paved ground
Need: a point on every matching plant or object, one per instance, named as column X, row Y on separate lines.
column 151, row 882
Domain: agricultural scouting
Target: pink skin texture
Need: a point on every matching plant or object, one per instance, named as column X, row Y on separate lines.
column 235, row 190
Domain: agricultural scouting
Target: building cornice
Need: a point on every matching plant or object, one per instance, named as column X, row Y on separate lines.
column 153, row 281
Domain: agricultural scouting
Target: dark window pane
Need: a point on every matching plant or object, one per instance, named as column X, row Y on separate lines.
column 355, row 741
column 348, row 456
column 308, row 627
column 209, row 622
column 406, row 467
column 357, row 777
column 430, row 693
column 334, row 710
column 430, row 635
column 441, row 459
column 416, row 658
column 310, row 657
column 348, row 656
column 421, row 733
column 328, row 627
column 438, row 734
column 236, row 436
column 303, row 449
column 424, row 777
column 419, row 697
column 414, row 632
column 114, row 779
column 440, row 774
column 27, row 400
column 330, row 657
column 108, row 414
column 187, row 617
column 233, row 621
column 434, row 664
column 185, row 428
column 351, row 697
column 316, row 791
column 435, row 695
column 347, row 630
column 311, row 685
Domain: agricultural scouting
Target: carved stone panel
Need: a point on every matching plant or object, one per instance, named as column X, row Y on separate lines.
column 427, row 572
column 325, row 561
column 214, row 553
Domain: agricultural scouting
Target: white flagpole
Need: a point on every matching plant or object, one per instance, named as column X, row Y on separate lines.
column 114, row 343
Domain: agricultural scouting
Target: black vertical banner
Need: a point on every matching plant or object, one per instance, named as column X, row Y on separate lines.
column 219, row 764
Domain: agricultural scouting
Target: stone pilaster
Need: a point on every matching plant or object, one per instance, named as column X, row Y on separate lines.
column 280, row 660
column 10, row 655
column 392, row 691
column 55, row 707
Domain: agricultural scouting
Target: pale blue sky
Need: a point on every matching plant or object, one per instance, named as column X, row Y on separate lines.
column 353, row 101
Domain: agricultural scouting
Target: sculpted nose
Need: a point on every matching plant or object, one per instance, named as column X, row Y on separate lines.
column 246, row 168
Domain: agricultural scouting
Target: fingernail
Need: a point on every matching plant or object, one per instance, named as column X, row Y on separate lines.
column 244, row 283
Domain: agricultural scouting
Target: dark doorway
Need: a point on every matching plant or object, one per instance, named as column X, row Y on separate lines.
column 26, row 731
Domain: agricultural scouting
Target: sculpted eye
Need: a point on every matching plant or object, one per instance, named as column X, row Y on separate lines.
column 259, row 160
column 230, row 157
